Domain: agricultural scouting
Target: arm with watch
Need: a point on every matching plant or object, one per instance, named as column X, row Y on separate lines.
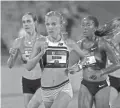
column 75, row 68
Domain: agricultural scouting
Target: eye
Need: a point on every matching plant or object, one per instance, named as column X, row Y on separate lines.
column 88, row 25
column 53, row 24
column 47, row 24
column 83, row 25
column 23, row 22
column 28, row 21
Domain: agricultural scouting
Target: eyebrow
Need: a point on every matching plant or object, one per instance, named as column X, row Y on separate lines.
column 26, row 20
column 50, row 22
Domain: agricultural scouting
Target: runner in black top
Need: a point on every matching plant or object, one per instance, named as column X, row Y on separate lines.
column 111, row 32
column 94, row 87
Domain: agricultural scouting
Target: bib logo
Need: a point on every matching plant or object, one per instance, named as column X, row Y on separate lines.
column 60, row 44
column 53, row 53
column 56, row 61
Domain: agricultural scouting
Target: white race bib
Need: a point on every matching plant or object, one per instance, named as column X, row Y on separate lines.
column 58, row 56
column 90, row 60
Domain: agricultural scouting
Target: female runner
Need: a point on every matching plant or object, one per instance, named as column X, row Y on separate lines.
column 31, row 81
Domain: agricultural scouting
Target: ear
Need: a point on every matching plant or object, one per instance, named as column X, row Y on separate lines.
column 35, row 23
column 95, row 29
column 61, row 26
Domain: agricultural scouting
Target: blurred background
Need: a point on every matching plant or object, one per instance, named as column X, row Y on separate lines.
column 73, row 12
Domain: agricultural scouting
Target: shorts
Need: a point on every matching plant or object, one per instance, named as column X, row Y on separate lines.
column 49, row 94
column 114, row 82
column 94, row 87
column 30, row 86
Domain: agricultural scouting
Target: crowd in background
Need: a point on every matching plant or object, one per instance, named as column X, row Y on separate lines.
column 12, row 12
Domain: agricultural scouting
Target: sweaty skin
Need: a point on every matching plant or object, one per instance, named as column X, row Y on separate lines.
column 19, row 45
column 89, row 71
column 50, row 76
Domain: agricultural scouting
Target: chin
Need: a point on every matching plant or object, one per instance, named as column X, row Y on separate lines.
column 28, row 31
column 86, row 36
column 50, row 34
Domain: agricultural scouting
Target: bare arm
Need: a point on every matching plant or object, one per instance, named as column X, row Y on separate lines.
column 75, row 47
column 36, row 55
column 113, row 59
column 117, row 42
column 13, row 53
column 12, row 59
column 79, row 54
column 117, row 38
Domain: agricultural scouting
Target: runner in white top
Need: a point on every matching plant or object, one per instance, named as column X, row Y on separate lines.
column 53, row 54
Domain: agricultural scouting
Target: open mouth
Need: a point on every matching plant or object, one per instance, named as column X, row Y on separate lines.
column 50, row 31
column 85, row 33
column 27, row 28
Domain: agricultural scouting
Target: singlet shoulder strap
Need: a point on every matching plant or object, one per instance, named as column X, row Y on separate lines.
column 41, row 38
column 80, row 42
column 20, row 41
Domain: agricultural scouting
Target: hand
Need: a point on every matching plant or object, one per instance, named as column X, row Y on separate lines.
column 70, row 43
column 44, row 46
column 24, row 57
column 13, row 51
column 73, row 69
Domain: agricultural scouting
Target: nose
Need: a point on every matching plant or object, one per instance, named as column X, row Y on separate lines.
column 85, row 27
column 50, row 26
column 26, row 24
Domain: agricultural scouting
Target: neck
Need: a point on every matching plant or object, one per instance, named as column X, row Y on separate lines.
column 55, row 39
column 31, row 34
column 91, row 38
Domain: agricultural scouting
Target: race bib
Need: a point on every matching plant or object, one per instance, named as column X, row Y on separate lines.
column 26, row 54
column 56, row 58
column 89, row 60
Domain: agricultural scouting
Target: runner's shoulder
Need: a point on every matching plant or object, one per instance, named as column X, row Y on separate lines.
column 17, row 41
column 79, row 42
column 40, row 40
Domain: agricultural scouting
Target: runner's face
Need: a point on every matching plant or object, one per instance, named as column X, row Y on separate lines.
column 53, row 25
column 28, row 23
column 87, row 27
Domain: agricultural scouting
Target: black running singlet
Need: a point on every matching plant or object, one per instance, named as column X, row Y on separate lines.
column 92, row 60
column 56, row 56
